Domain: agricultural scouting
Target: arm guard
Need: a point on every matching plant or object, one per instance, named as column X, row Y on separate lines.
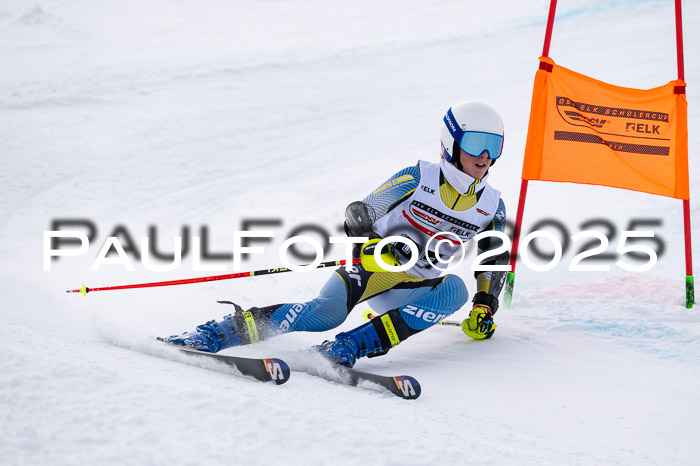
column 359, row 220
column 361, row 215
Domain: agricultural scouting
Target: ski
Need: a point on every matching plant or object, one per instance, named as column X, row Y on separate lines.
column 277, row 371
column 266, row 370
column 403, row 386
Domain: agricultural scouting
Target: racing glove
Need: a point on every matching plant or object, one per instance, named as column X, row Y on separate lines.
column 479, row 325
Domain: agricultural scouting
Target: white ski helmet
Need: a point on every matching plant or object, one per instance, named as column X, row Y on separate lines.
column 474, row 127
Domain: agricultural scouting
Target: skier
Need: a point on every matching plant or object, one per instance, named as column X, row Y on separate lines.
column 449, row 200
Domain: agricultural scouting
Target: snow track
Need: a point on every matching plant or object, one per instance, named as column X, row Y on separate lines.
column 182, row 114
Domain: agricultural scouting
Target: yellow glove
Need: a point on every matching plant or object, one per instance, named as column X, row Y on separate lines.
column 479, row 325
column 369, row 263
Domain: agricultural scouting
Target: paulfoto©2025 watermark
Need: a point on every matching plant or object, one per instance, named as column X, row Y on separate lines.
column 445, row 251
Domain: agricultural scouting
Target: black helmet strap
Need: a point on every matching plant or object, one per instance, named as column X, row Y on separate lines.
column 456, row 151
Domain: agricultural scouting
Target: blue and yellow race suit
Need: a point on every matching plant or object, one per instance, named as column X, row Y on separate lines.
column 417, row 203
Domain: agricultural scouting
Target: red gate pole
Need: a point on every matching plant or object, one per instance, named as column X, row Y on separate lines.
column 550, row 26
column 689, row 285
column 510, row 283
column 679, row 40
column 516, row 241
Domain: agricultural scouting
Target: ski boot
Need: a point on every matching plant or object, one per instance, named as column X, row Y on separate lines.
column 239, row 328
column 349, row 346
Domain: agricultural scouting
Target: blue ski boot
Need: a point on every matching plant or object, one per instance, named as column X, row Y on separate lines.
column 212, row 336
column 239, row 328
column 362, row 341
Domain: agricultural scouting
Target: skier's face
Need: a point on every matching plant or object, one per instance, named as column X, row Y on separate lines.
column 476, row 167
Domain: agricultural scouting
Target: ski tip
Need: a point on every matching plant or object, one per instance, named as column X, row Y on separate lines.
column 408, row 388
column 277, row 369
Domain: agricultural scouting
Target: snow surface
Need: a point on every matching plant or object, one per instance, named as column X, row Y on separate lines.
column 180, row 113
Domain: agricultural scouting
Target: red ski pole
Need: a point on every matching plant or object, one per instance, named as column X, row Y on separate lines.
column 85, row 290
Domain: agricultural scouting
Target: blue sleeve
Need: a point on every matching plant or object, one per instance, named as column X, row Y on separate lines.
column 499, row 218
column 392, row 192
column 498, row 223
column 492, row 282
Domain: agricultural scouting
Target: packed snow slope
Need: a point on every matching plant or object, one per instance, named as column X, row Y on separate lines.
column 183, row 115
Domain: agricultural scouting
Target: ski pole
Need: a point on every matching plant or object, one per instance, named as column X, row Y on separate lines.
column 369, row 315
column 85, row 290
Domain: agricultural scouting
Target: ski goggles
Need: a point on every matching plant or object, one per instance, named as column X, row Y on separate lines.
column 474, row 143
